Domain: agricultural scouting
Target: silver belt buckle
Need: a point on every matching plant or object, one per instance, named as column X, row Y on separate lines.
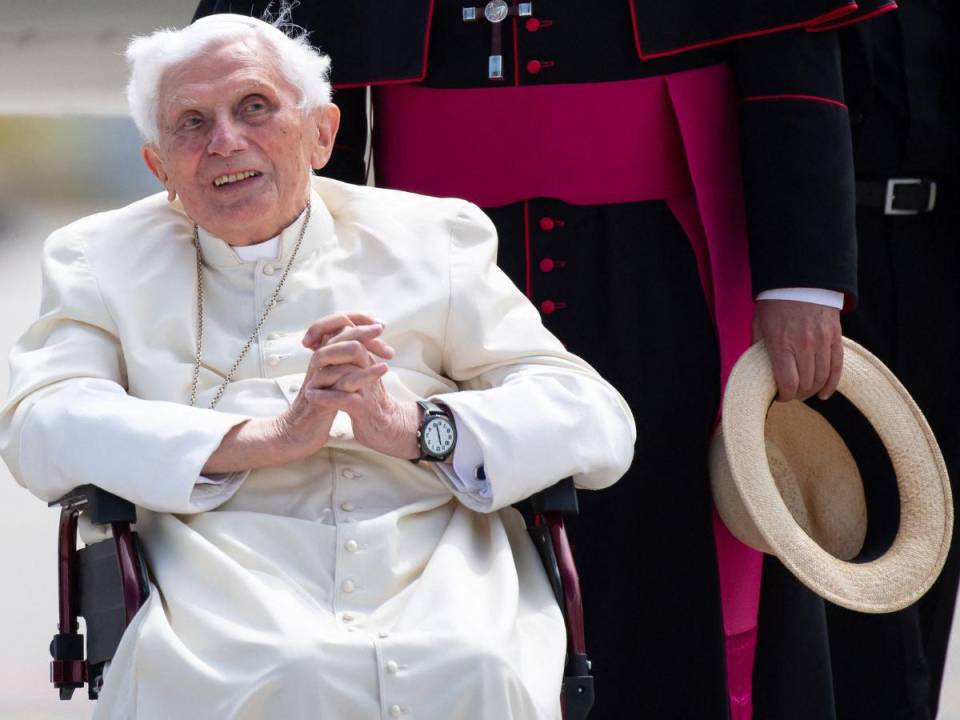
column 893, row 183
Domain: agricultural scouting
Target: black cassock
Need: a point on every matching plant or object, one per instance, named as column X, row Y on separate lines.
column 902, row 75
column 618, row 283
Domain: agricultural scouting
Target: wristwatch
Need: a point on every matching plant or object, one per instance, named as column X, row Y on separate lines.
column 437, row 435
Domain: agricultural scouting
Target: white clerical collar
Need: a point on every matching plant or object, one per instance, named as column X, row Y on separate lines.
column 218, row 253
column 266, row 250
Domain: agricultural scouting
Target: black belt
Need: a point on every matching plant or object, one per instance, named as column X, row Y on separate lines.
column 901, row 196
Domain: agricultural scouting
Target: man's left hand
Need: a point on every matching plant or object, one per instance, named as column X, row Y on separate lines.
column 804, row 343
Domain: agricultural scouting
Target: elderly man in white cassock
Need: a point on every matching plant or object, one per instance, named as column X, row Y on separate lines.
column 296, row 381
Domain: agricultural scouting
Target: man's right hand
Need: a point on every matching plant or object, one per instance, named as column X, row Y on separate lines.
column 805, row 344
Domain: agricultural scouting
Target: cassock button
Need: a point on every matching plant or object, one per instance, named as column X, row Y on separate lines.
column 349, row 474
column 347, row 617
column 351, row 546
column 348, row 586
column 392, row 667
column 294, row 389
column 383, row 635
column 533, row 67
column 268, row 270
column 395, row 711
column 548, row 307
column 533, row 25
column 273, row 360
column 547, row 224
column 346, row 506
column 274, row 336
column 547, row 265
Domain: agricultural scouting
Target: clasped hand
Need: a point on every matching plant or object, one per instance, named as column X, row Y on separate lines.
column 344, row 374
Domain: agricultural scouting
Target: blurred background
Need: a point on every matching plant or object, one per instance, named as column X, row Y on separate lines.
column 67, row 149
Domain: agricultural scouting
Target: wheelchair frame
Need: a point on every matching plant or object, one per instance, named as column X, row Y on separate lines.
column 107, row 582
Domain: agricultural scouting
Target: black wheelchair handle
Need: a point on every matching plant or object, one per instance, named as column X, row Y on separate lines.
column 100, row 506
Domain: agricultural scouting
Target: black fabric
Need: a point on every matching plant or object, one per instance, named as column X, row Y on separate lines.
column 664, row 27
column 890, row 666
column 632, row 306
column 903, row 81
column 348, row 161
column 383, row 40
column 586, row 44
column 875, row 87
column 932, row 72
column 787, row 647
column 798, row 190
column 902, row 77
column 876, row 471
column 797, row 162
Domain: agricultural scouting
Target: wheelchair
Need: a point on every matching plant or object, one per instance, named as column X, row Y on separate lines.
column 106, row 582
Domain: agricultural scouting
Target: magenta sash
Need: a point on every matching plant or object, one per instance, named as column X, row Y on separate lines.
column 670, row 137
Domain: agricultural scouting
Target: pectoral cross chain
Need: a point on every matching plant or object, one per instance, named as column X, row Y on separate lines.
column 495, row 12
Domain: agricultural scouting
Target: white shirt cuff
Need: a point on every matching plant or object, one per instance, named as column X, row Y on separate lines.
column 217, row 487
column 462, row 474
column 818, row 296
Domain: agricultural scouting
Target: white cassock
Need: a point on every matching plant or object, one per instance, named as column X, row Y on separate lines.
column 348, row 585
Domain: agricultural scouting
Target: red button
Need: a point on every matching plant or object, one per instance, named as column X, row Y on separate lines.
column 548, row 307
column 547, row 265
column 547, row 224
column 533, row 67
column 533, row 25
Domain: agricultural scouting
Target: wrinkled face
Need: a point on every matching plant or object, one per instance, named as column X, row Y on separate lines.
column 233, row 143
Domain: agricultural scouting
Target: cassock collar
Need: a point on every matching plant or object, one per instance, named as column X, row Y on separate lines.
column 218, row 253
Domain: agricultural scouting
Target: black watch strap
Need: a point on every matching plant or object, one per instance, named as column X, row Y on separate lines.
column 431, row 408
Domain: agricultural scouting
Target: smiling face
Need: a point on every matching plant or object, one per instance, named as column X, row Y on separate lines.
column 233, row 143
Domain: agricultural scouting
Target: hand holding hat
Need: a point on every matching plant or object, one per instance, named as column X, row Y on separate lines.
column 785, row 483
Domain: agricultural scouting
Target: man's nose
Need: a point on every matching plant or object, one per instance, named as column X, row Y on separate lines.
column 226, row 138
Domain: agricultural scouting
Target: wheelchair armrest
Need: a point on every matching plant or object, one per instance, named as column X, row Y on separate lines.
column 105, row 583
column 548, row 532
column 101, row 507
column 560, row 498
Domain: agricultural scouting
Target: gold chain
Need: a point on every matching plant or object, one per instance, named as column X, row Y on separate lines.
column 256, row 331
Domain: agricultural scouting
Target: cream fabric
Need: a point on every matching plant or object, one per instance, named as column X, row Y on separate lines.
column 349, row 585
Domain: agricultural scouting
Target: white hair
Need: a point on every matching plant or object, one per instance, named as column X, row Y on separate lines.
column 150, row 56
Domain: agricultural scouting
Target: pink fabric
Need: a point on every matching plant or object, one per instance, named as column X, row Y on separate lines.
column 496, row 146
column 670, row 137
column 703, row 101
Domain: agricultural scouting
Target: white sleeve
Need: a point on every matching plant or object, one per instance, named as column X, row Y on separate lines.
column 523, row 398
column 69, row 420
column 817, row 296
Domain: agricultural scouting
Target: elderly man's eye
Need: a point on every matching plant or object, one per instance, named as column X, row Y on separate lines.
column 191, row 122
column 255, row 106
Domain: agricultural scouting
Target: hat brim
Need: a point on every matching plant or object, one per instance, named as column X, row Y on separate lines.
column 911, row 565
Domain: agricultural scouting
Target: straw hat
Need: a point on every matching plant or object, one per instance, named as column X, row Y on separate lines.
column 784, row 483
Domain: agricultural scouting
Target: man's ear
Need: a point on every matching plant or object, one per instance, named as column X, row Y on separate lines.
column 152, row 160
column 325, row 121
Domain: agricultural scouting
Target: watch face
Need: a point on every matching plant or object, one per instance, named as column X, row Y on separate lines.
column 438, row 436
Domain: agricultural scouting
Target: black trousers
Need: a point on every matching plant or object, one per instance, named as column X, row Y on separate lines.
column 618, row 285
column 888, row 667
